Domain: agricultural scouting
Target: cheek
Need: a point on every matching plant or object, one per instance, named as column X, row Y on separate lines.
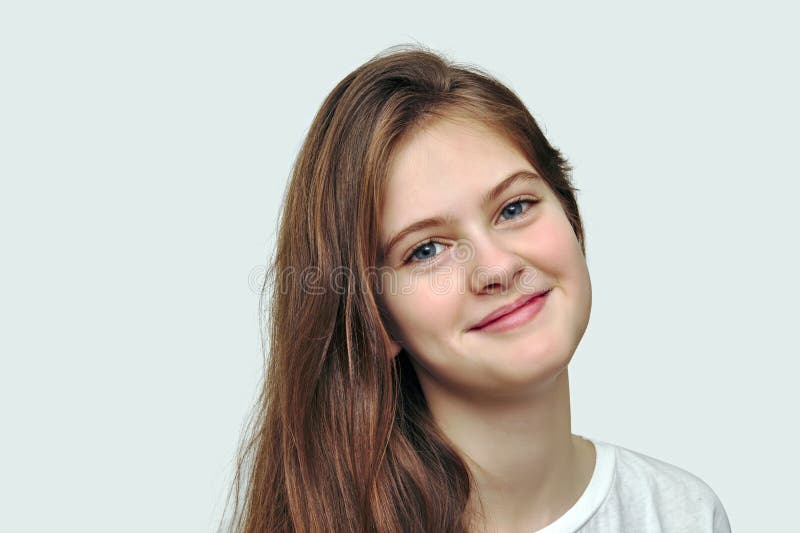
column 555, row 244
column 422, row 306
column 561, row 252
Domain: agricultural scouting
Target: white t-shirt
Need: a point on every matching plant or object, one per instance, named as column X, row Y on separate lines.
column 632, row 493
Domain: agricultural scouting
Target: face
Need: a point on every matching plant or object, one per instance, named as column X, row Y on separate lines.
column 488, row 251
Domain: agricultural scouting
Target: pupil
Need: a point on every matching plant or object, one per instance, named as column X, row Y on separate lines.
column 512, row 209
column 425, row 250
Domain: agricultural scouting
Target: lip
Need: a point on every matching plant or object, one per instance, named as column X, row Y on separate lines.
column 501, row 312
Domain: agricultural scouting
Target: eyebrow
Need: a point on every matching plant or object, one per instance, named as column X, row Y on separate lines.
column 439, row 221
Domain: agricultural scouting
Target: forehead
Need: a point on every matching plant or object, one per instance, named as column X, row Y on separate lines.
column 444, row 165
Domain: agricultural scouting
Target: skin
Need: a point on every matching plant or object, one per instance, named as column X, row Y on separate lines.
column 501, row 398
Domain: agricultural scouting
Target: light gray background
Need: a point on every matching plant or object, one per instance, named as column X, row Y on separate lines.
column 144, row 148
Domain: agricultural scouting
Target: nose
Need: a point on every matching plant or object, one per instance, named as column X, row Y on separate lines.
column 494, row 265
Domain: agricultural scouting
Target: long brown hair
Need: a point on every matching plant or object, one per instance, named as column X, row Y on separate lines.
column 341, row 439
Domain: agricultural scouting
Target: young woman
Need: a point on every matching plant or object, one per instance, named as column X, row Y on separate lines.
column 428, row 291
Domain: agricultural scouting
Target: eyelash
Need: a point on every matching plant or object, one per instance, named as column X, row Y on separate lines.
column 519, row 200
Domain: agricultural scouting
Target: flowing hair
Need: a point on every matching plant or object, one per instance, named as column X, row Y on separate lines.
column 341, row 438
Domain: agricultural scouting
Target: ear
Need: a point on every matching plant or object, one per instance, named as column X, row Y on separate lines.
column 393, row 349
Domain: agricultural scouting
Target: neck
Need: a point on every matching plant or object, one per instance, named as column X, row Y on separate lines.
column 527, row 466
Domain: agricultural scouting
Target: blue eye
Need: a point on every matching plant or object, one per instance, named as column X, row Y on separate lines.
column 514, row 208
column 424, row 252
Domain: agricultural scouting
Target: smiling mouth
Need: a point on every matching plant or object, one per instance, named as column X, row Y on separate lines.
column 516, row 317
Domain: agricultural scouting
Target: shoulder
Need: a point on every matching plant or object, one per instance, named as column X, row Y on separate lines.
column 661, row 496
column 644, row 471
